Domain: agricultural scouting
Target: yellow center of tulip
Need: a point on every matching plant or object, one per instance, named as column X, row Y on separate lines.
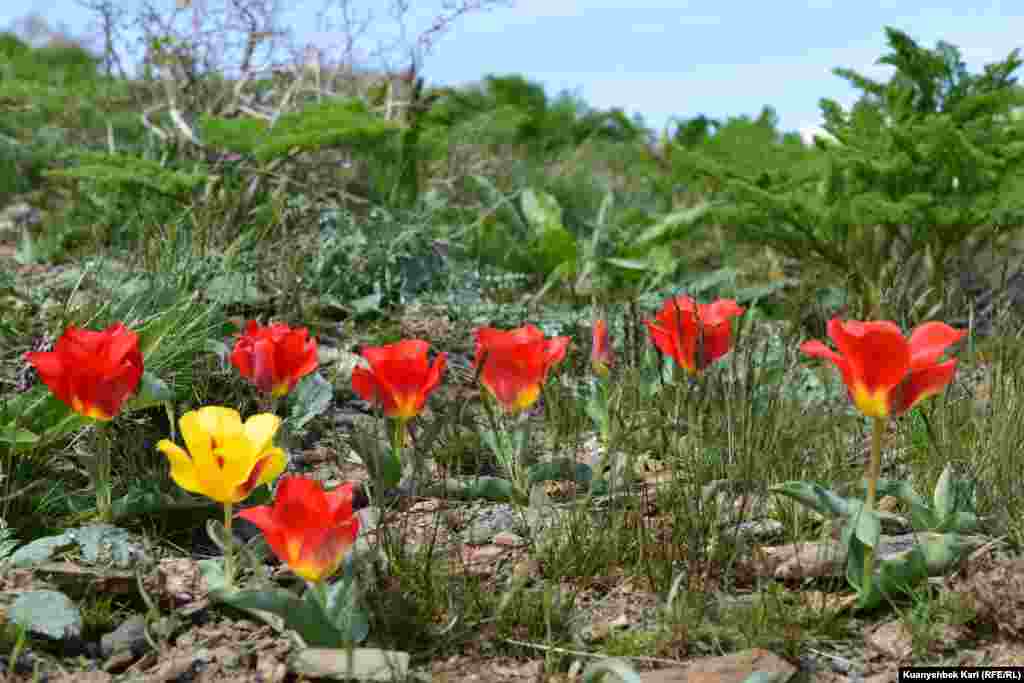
column 871, row 404
column 86, row 410
column 526, row 398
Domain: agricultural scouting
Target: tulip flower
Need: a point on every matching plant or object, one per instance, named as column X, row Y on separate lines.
column 275, row 357
column 695, row 335
column 92, row 372
column 516, row 363
column 601, row 358
column 400, row 377
column 226, row 459
column 885, row 373
column 308, row 529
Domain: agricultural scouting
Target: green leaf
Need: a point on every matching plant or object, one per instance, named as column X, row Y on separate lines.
column 303, row 615
column 560, row 469
column 817, row 498
column 485, row 488
column 366, row 304
column 619, row 670
column 344, row 613
column 713, row 279
column 597, row 409
column 899, row 575
column 628, row 264
column 866, row 524
column 944, row 496
column 216, row 346
column 17, row 436
column 213, row 573
column 311, row 397
column 555, row 246
column 668, row 227
column 152, row 391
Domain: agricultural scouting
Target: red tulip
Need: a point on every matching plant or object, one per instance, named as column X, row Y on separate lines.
column 695, row 335
column 275, row 357
column 308, row 529
column 601, row 358
column 400, row 378
column 92, row 372
column 885, row 373
column 516, row 363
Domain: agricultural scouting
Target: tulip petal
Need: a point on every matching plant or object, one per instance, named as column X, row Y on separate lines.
column 878, row 358
column 719, row 312
column 183, row 470
column 365, row 385
column 922, row 384
column 197, row 438
column 272, row 464
column 929, row 341
column 436, row 370
column 260, row 430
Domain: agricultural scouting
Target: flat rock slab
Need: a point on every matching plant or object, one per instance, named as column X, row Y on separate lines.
column 828, row 558
column 361, row 664
column 733, row 668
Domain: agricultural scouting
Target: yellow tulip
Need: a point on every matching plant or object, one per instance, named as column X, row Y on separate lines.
column 226, row 458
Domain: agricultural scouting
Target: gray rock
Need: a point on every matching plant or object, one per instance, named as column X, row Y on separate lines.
column 101, row 544
column 46, row 613
column 490, row 521
column 361, row 664
column 130, row 636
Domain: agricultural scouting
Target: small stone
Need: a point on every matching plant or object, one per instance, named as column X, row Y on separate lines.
column 130, row 636
column 509, row 539
column 892, row 639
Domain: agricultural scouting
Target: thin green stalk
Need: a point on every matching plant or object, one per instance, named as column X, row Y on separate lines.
column 874, row 470
column 101, row 474
column 229, row 554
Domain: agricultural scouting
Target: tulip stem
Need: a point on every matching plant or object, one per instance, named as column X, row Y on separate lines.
column 229, row 554
column 101, row 474
column 874, row 470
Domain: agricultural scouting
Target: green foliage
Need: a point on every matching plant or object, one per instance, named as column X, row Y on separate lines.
column 332, row 123
column 241, row 135
column 367, row 265
column 117, row 171
column 921, row 166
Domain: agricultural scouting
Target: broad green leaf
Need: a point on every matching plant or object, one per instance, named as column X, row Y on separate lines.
column 560, row 469
column 17, row 436
column 486, row 488
column 867, row 525
column 311, row 397
column 344, row 613
column 713, row 279
column 945, row 495
column 610, row 671
column 817, row 498
column 899, row 575
column 152, row 391
column 366, row 304
column 668, row 227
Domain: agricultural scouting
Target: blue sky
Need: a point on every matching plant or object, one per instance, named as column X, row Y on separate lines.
column 665, row 58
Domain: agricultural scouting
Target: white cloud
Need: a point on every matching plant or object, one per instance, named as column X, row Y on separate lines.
column 809, row 132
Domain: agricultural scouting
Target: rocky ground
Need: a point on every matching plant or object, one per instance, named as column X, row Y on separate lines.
column 181, row 636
